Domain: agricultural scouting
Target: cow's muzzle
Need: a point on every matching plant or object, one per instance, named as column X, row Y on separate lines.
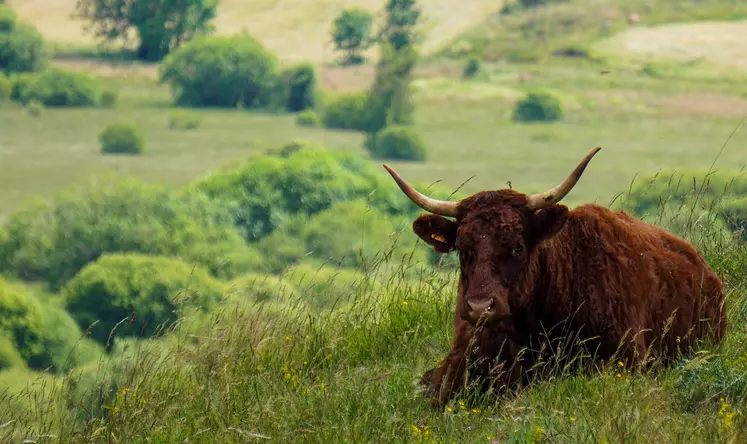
column 483, row 310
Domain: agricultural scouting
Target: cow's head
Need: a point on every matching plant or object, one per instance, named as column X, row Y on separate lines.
column 494, row 235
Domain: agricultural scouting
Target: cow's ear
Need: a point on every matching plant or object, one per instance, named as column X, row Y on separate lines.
column 548, row 221
column 437, row 231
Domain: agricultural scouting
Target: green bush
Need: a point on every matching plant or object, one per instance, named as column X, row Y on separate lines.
column 20, row 318
column 6, row 88
column 353, row 235
column 150, row 290
column 472, row 66
column 63, row 344
column 19, row 82
column 109, row 98
column 222, row 71
column 667, row 193
column 398, row 142
column 308, row 118
column 538, row 107
column 300, row 83
column 347, row 111
column 267, row 191
column 34, row 108
column 122, row 138
column 21, row 45
column 52, row 241
column 9, row 356
column 42, row 334
column 184, row 119
column 58, row 88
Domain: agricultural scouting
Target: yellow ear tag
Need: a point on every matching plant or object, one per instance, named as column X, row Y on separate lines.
column 439, row 238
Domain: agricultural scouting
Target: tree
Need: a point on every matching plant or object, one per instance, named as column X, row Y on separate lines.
column 161, row 25
column 399, row 28
column 352, row 34
column 390, row 99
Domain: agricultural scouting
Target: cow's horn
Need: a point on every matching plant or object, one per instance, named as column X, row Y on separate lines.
column 440, row 207
column 555, row 195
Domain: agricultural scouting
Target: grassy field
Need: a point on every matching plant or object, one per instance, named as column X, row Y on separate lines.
column 286, row 374
column 644, row 124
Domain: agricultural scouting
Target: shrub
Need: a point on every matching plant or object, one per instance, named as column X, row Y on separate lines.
column 52, row 241
column 267, row 191
column 9, row 356
column 63, row 344
column 109, row 98
column 59, row 88
column 308, row 118
column 538, row 106
column 223, row 71
column 42, row 334
column 472, row 66
column 300, row 83
column 351, row 234
column 22, row 49
column 398, row 142
column 34, row 108
column 121, row 138
column 6, row 88
column 19, row 82
column 347, row 111
column 150, row 290
column 184, row 119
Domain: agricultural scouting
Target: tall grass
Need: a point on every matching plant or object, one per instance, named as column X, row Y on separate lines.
column 289, row 371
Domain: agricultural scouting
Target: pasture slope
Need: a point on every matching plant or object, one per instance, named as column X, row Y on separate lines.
column 283, row 371
column 295, row 29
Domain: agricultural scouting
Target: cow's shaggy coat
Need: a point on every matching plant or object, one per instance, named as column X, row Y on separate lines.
column 621, row 286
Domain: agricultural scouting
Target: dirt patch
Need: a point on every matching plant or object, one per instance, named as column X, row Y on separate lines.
column 108, row 69
column 704, row 104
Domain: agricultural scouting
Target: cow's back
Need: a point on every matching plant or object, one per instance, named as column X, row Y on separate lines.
column 612, row 275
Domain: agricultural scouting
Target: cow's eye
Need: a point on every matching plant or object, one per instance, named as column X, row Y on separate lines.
column 518, row 248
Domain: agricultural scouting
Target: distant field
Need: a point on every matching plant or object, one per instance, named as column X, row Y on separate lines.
column 466, row 125
column 294, row 29
column 720, row 43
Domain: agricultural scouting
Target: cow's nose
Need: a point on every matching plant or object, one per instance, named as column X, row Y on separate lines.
column 481, row 307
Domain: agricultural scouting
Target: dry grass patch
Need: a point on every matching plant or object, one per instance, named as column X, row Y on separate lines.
column 720, row 43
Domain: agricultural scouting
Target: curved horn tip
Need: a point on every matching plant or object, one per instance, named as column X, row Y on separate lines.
column 553, row 196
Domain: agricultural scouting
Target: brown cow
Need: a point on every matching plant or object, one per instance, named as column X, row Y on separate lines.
column 528, row 265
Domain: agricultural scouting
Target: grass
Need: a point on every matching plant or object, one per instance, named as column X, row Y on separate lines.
column 282, row 373
column 644, row 124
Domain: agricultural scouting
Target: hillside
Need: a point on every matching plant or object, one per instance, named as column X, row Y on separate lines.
column 294, row 29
